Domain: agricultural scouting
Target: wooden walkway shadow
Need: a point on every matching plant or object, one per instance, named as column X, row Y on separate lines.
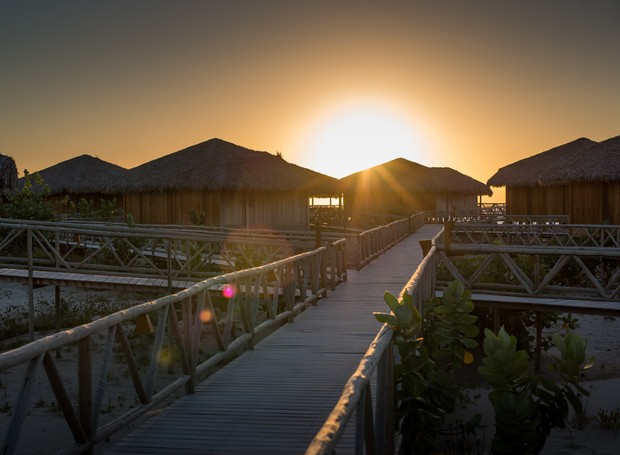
column 275, row 398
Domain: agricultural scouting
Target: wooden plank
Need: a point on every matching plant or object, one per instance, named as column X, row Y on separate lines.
column 604, row 308
column 91, row 280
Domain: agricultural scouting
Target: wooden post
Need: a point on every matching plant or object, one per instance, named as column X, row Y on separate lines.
column 384, row 421
column 20, row 412
column 30, row 287
column 57, row 303
column 169, row 265
column 317, row 234
column 496, row 320
column 57, row 315
column 447, row 235
column 426, row 246
column 85, row 382
column 538, row 341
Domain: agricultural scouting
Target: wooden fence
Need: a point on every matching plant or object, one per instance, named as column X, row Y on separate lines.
column 364, row 247
column 520, row 250
column 105, row 255
column 229, row 311
column 165, row 251
column 374, row 425
column 544, row 260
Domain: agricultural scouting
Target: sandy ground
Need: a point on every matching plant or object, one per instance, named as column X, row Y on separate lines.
column 46, row 432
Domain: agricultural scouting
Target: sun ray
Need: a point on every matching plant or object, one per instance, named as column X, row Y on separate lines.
column 357, row 136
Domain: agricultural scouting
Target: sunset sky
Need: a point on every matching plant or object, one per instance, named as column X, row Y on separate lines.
column 335, row 86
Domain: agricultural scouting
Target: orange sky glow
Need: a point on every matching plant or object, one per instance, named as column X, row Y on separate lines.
column 333, row 86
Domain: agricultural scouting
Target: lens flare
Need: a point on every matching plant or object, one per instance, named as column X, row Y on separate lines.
column 228, row 291
column 206, row 316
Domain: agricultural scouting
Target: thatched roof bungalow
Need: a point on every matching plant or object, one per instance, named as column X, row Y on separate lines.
column 8, row 173
column 580, row 179
column 222, row 184
column 83, row 176
column 401, row 187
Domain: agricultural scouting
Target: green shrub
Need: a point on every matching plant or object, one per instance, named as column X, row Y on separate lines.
column 431, row 345
column 31, row 203
column 528, row 406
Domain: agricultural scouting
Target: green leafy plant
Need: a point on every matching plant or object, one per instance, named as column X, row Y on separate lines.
column 30, row 203
column 528, row 406
column 431, row 345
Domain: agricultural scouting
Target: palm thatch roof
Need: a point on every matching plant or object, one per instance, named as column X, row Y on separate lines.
column 581, row 160
column 415, row 178
column 8, row 172
column 80, row 175
column 217, row 165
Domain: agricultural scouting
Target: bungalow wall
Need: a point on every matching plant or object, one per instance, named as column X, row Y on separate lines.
column 277, row 209
column 584, row 203
column 462, row 204
column 397, row 202
column 220, row 208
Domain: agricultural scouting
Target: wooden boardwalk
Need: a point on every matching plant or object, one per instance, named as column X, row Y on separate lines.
column 275, row 398
column 90, row 280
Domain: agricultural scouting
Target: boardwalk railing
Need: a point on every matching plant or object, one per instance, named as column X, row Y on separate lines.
column 374, row 425
column 365, row 247
column 168, row 252
column 105, row 254
column 162, row 251
column 511, row 254
column 346, row 219
column 188, row 333
column 565, row 235
column 164, row 344
column 543, row 260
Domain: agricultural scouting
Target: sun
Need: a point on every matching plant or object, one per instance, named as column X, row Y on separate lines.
column 357, row 136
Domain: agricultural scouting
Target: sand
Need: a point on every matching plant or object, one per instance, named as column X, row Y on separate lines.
column 46, row 432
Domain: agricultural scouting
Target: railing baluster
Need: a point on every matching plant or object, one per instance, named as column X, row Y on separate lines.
column 30, row 286
column 64, row 402
column 103, row 370
column 85, row 386
column 303, row 273
column 21, row 407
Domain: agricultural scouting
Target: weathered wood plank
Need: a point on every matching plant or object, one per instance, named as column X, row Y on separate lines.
column 604, row 308
column 44, row 277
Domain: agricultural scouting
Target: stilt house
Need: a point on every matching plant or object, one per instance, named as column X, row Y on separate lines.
column 84, row 176
column 580, row 179
column 401, row 187
column 218, row 183
column 8, row 173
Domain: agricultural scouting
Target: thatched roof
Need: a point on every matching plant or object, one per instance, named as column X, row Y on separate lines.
column 8, row 172
column 217, row 165
column 80, row 175
column 581, row 160
column 415, row 178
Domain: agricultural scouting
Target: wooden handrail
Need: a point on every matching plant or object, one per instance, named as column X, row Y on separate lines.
column 533, row 257
column 378, row 361
column 299, row 280
column 296, row 279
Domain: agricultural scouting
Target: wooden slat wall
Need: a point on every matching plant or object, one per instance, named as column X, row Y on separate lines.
column 462, row 203
column 587, row 203
column 395, row 201
column 556, row 200
column 613, row 203
column 228, row 208
column 584, row 203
